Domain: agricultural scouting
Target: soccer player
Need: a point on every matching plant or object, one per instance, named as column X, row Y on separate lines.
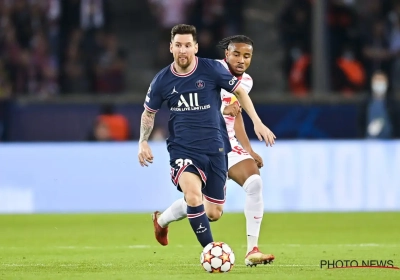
column 243, row 162
column 198, row 142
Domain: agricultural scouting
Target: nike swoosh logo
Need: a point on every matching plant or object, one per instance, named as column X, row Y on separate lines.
column 257, row 217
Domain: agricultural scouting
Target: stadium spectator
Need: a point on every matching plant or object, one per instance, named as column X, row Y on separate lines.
column 342, row 26
column 300, row 72
column 294, row 24
column 348, row 75
column 166, row 14
column 379, row 124
column 211, row 20
column 110, row 126
column 110, row 67
column 100, row 132
column 376, row 50
column 75, row 71
column 53, row 46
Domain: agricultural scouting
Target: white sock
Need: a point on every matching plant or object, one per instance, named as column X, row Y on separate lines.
column 253, row 209
column 176, row 212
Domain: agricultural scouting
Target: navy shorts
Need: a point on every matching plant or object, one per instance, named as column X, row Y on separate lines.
column 212, row 169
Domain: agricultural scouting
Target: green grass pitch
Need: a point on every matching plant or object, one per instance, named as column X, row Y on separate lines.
column 122, row 246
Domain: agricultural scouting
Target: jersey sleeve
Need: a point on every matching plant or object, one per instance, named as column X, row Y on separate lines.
column 154, row 97
column 224, row 78
column 246, row 83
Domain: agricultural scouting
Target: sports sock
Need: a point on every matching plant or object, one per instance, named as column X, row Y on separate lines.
column 200, row 224
column 176, row 212
column 253, row 209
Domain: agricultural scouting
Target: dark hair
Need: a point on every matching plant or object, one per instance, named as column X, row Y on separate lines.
column 224, row 43
column 184, row 29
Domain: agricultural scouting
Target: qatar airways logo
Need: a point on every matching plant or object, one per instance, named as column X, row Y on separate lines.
column 190, row 103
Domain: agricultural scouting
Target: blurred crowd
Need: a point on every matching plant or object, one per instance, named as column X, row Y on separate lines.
column 362, row 38
column 214, row 20
column 53, row 46
column 50, row 47
column 68, row 46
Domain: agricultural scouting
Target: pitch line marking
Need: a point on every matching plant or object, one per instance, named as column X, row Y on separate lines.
column 145, row 246
column 110, row 264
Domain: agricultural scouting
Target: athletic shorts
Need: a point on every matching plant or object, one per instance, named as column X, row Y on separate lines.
column 237, row 154
column 212, row 169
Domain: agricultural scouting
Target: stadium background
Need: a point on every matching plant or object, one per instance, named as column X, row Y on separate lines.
column 73, row 78
column 72, row 75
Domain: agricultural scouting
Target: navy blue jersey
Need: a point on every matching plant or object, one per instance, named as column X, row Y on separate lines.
column 194, row 101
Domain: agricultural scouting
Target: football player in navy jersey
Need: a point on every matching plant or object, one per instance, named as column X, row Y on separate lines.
column 243, row 162
column 198, row 142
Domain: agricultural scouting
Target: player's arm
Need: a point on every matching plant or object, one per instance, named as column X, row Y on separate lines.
column 231, row 110
column 146, row 125
column 246, row 104
column 153, row 102
column 231, row 84
column 260, row 129
column 241, row 135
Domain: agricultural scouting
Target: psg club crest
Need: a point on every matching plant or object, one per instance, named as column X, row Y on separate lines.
column 200, row 84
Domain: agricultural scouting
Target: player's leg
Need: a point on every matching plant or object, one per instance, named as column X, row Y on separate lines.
column 244, row 171
column 176, row 212
column 191, row 185
column 246, row 174
column 213, row 209
column 188, row 176
column 214, row 192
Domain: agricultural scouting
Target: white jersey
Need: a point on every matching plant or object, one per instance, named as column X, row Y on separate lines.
column 229, row 98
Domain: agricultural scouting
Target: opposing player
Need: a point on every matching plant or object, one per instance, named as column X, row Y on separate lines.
column 243, row 162
column 198, row 142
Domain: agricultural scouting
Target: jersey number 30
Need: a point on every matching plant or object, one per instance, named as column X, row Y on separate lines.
column 183, row 162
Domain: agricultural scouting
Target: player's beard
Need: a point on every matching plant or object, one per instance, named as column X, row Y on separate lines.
column 183, row 62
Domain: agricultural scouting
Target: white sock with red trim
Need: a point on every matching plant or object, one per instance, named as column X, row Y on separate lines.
column 176, row 212
column 253, row 209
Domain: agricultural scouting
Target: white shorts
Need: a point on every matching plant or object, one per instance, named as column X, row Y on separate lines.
column 237, row 155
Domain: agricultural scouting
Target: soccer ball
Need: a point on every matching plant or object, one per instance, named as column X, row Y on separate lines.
column 217, row 257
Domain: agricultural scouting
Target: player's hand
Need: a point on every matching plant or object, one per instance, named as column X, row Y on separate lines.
column 232, row 109
column 145, row 155
column 264, row 133
column 257, row 159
